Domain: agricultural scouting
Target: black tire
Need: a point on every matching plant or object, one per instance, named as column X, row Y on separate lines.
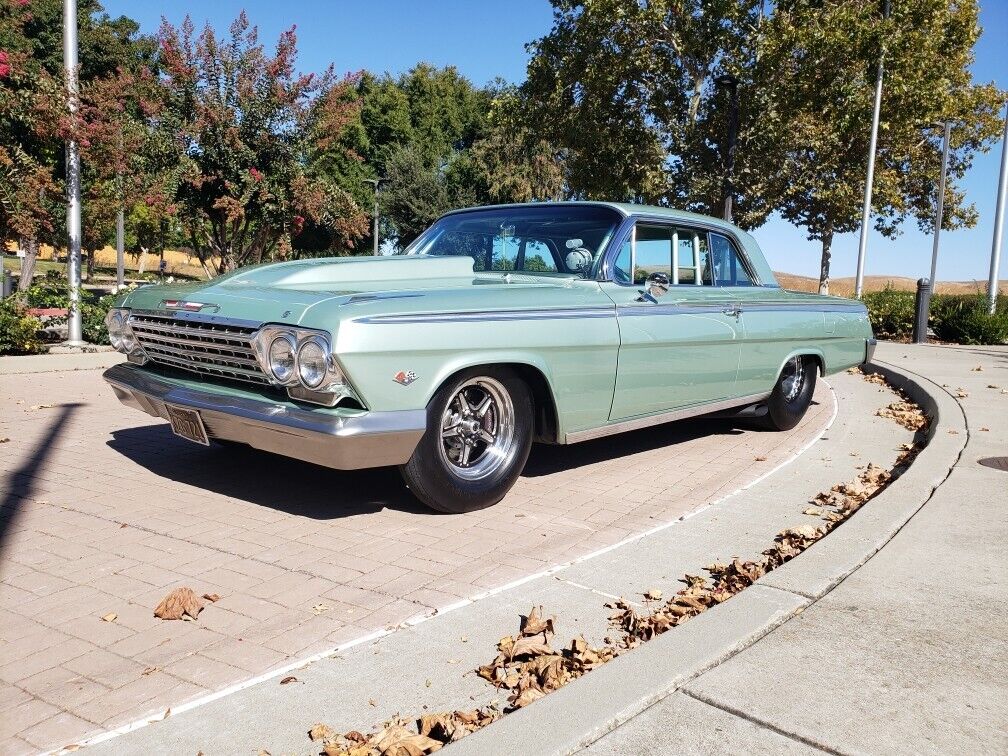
column 788, row 403
column 439, row 475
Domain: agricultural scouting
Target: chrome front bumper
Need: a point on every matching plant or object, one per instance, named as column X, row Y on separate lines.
column 346, row 442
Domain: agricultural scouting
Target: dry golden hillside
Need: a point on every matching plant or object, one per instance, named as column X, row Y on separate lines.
column 844, row 287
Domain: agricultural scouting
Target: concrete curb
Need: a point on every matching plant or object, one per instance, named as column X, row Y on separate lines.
column 591, row 706
column 822, row 567
column 56, row 362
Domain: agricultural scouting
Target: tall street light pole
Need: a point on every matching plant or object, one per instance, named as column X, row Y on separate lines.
column 870, row 178
column 376, row 182
column 731, row 83
column 941, row 201
column 74, row 333
column 992, row 283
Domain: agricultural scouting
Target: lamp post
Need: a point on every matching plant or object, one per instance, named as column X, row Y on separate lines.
column 74, row 333
column 730, row 83
column 870, row 178
column 941, row 201
column 376, row 182
column 992, row 284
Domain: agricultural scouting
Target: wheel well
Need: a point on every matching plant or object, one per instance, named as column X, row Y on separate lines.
column 819, row 362
column 546, row 426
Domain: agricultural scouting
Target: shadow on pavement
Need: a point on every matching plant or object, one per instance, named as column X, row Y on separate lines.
column 20, row 483
column 271, row 480
column 301, row 488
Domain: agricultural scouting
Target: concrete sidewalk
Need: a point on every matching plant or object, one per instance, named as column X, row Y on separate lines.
column 909, row 654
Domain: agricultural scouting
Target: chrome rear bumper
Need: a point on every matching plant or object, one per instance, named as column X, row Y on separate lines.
column 870, row 350
column 345, row 442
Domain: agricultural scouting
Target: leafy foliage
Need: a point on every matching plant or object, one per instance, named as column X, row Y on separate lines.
column 957, row 318
column 20, row 333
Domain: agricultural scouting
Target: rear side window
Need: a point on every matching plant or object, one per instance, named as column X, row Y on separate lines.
column 729, row 269
column 653, row 253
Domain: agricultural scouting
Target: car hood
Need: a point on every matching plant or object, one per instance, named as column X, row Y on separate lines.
column 311, row 292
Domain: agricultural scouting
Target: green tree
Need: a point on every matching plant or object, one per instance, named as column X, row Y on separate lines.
column 252, row 132
column 626, row 90
column 514, row 162
column 819, row 68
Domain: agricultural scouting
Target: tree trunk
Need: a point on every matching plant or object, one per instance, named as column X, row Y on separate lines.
column 90, row 263
column 824, row 265
column 31, row 249
column 143, row 260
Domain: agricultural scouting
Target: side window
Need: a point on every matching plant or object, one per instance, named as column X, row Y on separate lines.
column 538, row 257
column 728, row 267
column 653, row 252
column 505, row 252
column 692, row 257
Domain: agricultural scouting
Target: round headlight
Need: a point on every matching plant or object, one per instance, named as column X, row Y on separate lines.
column 312, row 364
column 115, row 330
column 281, row 358
column 128, row 339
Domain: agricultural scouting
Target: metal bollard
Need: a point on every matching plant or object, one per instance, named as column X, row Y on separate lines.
column 7, row 287
column 922, row 306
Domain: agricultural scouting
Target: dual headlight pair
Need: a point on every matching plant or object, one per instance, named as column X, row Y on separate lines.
column 120, row 333
column 301, row 360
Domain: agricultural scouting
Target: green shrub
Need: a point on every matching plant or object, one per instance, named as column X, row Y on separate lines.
column 20, row 333
column 891, row 313
column 52, row 290
column 963, row 319
column 93, row 312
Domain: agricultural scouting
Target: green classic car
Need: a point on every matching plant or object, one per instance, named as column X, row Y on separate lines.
column 497, row 327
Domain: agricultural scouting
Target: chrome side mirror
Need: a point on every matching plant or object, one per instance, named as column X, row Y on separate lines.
column 655, row 285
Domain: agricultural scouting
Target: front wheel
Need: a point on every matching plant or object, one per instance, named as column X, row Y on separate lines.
column 479, row 432
column 792, row 395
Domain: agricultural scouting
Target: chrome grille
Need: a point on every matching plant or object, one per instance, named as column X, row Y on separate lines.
column 221, row 350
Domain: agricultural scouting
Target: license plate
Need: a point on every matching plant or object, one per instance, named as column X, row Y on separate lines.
column 187, row 424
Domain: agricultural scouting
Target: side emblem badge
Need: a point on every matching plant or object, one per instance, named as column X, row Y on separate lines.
column 405, row 378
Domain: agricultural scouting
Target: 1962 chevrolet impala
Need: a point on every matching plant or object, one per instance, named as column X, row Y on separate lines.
column 497, row 327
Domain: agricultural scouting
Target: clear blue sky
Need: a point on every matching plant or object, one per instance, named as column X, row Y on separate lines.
column 486, row 39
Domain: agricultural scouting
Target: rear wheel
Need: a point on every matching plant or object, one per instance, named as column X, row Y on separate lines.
column 479, row 432
column 792, row 395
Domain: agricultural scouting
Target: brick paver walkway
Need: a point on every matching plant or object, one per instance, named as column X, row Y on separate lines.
column 104, row 511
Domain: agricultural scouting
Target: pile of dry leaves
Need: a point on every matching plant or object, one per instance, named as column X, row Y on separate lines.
column 906, row 413
column 397, row 737
column 528, row 667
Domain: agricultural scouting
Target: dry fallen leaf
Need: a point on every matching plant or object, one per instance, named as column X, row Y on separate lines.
column 319, row 609
column 985, row 430
column 961, row 393
column 372, row 702
column 289, row 679
column 149, row 671
column 179, row 604
column 42, row 406
column 993, row 386
column 213, row 598
column 977, row 369
column 654, row 594
column 110, row 617
column 759, row 459
column 321, row 731
column 906, row 413
column 813, row 511
column 4, row 441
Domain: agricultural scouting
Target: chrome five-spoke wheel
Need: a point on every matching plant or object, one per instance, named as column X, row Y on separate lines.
column 477, row 429
column 792, row 378
column 792, row 395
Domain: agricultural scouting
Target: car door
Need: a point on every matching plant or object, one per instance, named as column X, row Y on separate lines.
column 769, row 320
column 683, row 348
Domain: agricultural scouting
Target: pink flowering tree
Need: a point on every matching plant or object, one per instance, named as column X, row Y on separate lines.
column 241, row 132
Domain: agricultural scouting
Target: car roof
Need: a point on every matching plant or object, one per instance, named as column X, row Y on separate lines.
column 626, row 209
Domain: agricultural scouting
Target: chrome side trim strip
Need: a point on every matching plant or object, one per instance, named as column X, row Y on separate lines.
column 634, row 310
column 636, row 423
column 491, row 316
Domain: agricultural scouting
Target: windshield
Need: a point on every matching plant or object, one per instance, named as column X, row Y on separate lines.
column 558, row 239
